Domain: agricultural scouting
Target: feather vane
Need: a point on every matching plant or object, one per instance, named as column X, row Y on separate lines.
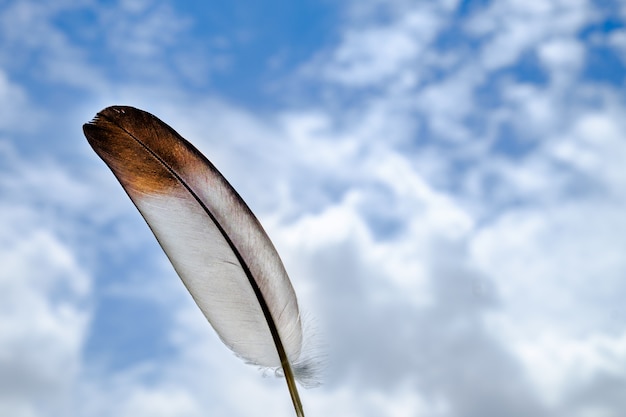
column 215, row 243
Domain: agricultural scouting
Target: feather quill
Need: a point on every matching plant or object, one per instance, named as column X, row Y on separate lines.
column 215, row 243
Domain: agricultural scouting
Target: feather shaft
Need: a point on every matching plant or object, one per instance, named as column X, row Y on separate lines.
column 215, row 243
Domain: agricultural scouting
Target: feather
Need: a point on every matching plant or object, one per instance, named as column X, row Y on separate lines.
column 215, row 243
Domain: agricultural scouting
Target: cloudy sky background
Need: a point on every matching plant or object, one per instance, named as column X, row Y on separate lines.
column 445, row 182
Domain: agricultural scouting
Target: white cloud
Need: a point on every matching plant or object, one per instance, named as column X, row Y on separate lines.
column 374, row 54
column 558, row 273
column 43, row 294
column 451, row 278
column 548, row 244
column 534, row 111
column 14, row 106
column 506, row 27
column 559, row 366
column 44, row 47
column 562, row 55
column 403, row 402
column 595, row 146
column 447, row 104
column 165, row 402
column 147, row 30
column 618, row 39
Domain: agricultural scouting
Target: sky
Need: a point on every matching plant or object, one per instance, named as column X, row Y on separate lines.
column 444, row 181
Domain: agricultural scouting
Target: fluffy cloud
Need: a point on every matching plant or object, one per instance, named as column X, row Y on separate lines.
column 44, row 295
column 450, row 211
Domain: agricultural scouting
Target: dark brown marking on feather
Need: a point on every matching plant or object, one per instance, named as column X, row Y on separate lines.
column 130, row 141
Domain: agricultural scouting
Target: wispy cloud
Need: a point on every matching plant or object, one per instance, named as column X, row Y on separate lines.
column 447, row 197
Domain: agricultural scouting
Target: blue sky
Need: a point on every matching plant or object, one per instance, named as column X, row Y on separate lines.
column 443, row 180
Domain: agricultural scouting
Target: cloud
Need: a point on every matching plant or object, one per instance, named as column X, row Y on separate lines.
column 550, row 270
column 452, row 221
column 44, row 314
column 14, row 105
column 504, row 26
column 167, row 403
column 374, row 54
